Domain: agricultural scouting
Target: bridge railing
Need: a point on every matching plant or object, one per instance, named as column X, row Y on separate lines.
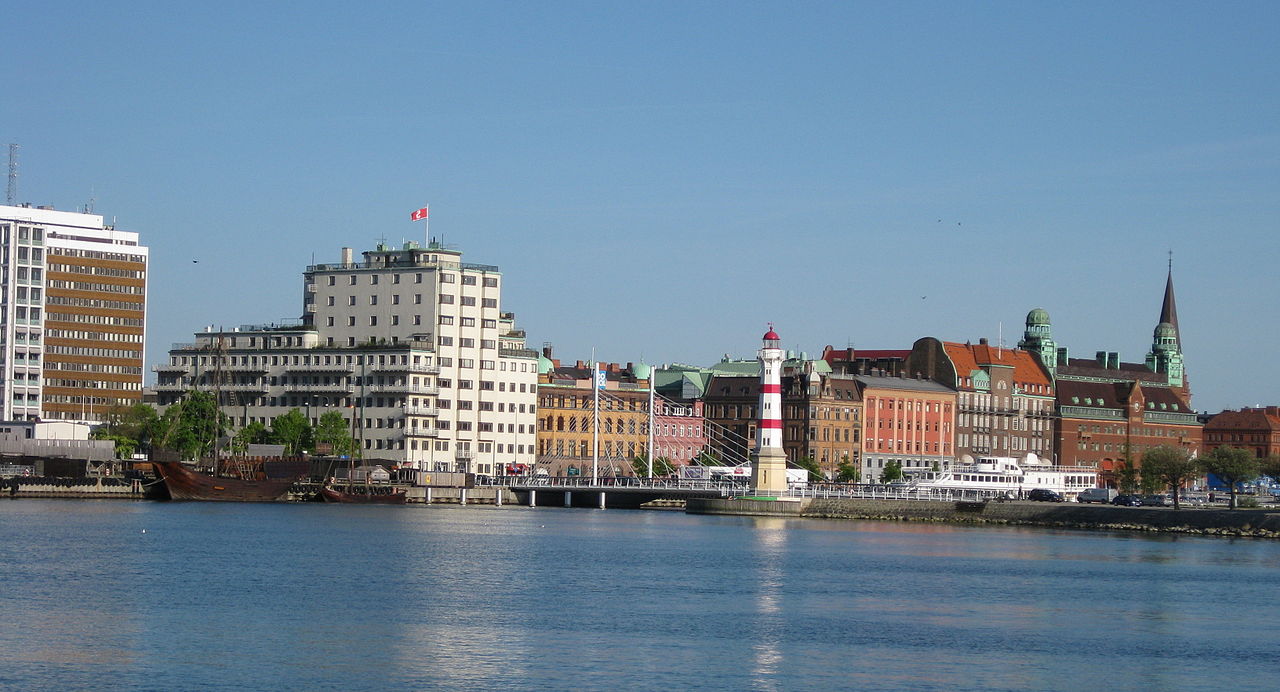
column 870, row 491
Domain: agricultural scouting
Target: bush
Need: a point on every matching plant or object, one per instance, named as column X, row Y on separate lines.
column 1248, row 502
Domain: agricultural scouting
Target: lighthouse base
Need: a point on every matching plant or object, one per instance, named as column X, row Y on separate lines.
column 769, row 471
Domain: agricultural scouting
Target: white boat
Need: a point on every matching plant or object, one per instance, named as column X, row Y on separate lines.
column 1009, row 477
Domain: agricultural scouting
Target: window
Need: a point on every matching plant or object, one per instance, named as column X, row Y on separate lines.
column 446, row 319
column 490, row 302
column 351, row 300
column 466, row 384
column 467, row 343
column 468, row 301
column 331, row 320
column 446, row 341
column 373, row 279
column 373, row 320
column 353, row 279
column 490, row 282
column 446, row 299
column 489, row 324
column 447, row 278
column 468, row 321
column 488, row 343
column 466, row 363
column 417, row 319
column 373, row 300
column 329, row 301
column 395, row 320
column 395, row 299
column 333, row 280
column 417, row 299
column 468, row 280
column 351, row 321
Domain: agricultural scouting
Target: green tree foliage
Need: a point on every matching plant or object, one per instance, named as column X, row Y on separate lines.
column 1232, row 466
column 815, row 471
column 847, row 472
column 1270, row 467
column 191, row 427
column 130, row 427
column 706, row 458
column 662, row 466
column 292, row 430
column 892, row 472
column 333, row 428
column 254, row 433
column 1127, row 476
column 1169, row 467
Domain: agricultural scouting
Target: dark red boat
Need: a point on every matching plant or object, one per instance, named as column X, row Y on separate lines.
column 185, row 484
column 355, row 495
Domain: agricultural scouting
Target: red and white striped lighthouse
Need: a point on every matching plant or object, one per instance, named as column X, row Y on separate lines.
column 769, row 462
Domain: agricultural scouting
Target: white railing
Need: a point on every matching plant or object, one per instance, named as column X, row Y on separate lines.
column 421, row 411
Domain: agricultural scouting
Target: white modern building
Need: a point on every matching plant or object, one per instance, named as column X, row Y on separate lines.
column 72, row 315
column 410, row 345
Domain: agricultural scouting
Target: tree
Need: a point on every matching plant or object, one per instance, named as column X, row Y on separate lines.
column 892, row 472
column 1126, row 476
column 333, row 429
column 1270, row 467
column 292, row 430
column 815, row 471
column 254, row 433
column 706, row 458
column 1170, row 467
column 847, row 472
column 1232, row 466
column 662, row 466
column 190, row 427
column 130, row 427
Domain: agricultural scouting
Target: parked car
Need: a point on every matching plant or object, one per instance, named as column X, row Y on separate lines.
column 1155, row 500
column 1044, row 495
column 1127, row 500
column 1100, row 495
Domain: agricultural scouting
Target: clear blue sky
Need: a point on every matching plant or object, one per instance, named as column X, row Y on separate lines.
column 659, row 180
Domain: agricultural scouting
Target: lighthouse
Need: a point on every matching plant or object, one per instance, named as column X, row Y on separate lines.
column 769, row 462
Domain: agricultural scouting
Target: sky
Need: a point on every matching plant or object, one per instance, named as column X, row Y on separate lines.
column 658, row 181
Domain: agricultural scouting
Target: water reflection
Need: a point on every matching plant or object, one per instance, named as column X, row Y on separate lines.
column 373, row 598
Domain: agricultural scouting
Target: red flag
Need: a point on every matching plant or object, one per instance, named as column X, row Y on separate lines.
column 420, row 214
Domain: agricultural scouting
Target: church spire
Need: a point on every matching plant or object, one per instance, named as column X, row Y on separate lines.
column 1169, row 309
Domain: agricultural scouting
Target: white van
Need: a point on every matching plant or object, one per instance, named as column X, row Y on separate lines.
column 1102, row 495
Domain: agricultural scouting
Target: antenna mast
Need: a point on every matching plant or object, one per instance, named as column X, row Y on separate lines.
column 11, row 196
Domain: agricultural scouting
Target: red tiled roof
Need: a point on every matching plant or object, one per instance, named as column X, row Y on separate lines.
column 967, row 358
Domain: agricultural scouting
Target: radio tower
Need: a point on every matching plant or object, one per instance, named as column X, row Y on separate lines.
column 11, row 195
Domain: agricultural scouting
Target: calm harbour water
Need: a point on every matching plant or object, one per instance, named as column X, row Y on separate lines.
column 174, row 596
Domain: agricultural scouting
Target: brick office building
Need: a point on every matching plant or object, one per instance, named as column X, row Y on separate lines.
column 1254, row 429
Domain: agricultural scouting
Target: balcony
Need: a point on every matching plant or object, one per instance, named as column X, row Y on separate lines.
column 316, row 387
column 417, row 368
column 405, row 388
column 464, row 455
column 421, row 411
column 421, row 432
column 316, row 367
column 170, row 368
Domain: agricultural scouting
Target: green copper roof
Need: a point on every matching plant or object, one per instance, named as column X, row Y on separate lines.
column 1039, row 316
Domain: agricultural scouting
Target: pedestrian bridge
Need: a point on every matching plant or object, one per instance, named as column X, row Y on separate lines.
column 631, row 493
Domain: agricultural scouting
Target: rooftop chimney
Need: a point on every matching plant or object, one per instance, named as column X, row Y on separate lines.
column 346, row 255
column 1113, row 361
column 982, row 341
column 1100, row 358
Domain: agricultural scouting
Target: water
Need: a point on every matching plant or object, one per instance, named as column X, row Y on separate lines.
column 174, row 596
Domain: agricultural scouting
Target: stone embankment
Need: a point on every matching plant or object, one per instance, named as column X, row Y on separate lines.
column 1260, row 523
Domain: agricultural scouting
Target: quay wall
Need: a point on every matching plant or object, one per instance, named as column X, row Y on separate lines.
column 79, row 488
column 1261, row 523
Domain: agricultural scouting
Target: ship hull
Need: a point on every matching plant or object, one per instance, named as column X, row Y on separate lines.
column 331, row 495
column 185, row 484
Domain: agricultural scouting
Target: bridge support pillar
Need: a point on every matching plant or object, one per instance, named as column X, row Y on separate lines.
column 601, row 499
column 568, row 499
column 533, row 498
